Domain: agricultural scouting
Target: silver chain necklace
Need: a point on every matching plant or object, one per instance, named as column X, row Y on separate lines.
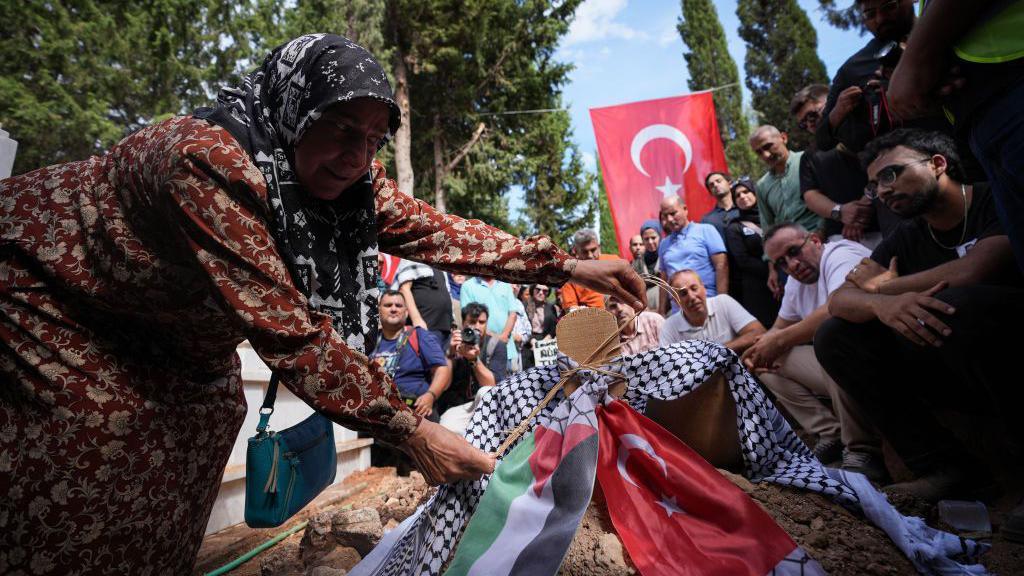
column 963, row 233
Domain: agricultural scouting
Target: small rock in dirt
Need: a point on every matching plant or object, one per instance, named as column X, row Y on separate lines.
column 283, row 560
column 360, row 529
column 818, row 524
column 317, row 539
column 326, row 571
column 341, row 558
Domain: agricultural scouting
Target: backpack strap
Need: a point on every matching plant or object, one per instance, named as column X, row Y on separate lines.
column 413, row 337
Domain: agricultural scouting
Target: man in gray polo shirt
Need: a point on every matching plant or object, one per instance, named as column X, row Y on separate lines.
column 718, row 319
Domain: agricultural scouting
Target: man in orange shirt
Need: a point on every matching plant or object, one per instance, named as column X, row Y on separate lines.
column 585, row 246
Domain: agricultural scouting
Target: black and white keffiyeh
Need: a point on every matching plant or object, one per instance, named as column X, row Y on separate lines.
column 772, row 452
column 330, row 246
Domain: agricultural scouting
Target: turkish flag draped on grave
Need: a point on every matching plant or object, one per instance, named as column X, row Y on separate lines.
column 676, row 514
column 653, row 149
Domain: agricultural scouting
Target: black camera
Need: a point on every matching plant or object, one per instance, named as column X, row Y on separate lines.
column 471, row 336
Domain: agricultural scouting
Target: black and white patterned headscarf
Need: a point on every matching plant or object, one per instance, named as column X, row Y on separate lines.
column 330, row 246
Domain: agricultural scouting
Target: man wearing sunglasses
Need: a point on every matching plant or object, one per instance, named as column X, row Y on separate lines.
column 784, row 357
column 887, row 21
column 929, row 321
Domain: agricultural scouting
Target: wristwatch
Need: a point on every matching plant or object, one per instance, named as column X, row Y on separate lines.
column 837, row 213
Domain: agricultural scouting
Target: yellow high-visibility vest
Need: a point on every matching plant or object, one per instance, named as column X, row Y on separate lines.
column 998, row 36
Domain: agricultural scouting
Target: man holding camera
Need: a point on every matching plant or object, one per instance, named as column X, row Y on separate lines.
column 478, row 362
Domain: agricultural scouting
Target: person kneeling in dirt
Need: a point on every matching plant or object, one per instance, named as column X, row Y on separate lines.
column 928, row 322
column 478, row 363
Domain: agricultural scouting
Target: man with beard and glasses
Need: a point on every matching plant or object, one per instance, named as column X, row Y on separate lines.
column 928, row 321
column 784, row 360
column 887, row 21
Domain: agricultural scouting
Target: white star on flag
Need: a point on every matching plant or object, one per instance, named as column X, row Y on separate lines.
column 670, row 505
column 668, row 188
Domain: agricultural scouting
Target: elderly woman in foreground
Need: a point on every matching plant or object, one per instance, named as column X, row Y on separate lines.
column 127, row 280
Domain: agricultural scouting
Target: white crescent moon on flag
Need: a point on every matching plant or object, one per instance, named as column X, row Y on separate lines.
column 629, row 442
column 654, row 132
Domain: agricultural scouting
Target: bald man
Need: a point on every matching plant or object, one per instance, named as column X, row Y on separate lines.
column 690, row 245
column 778, row 190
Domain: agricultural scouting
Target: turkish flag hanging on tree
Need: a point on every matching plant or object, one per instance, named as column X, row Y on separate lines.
column 653, row 149
column 676, row 514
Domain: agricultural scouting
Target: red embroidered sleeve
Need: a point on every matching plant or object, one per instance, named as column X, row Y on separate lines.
column 220, row 198
column 413, row 229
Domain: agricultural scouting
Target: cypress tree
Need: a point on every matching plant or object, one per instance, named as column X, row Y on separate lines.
column 781, row 59
column 710, row 65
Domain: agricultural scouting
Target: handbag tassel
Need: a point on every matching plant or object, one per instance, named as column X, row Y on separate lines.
column 271, row 485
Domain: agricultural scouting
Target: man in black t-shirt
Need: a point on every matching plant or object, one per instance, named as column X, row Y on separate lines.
column 832, row 181
column 927, row 321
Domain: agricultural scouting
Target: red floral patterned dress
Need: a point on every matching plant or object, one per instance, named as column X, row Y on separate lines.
column 126, row 282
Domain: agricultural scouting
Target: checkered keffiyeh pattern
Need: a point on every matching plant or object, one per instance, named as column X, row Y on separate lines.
column 772, row 452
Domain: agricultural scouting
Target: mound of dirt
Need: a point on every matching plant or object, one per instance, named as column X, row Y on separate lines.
column 844, row 543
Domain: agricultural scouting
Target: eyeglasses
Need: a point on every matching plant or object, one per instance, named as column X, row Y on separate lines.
column 812, row 116
column 541, row 290
column 887, row 177
column 782, row 262
column 887, row 7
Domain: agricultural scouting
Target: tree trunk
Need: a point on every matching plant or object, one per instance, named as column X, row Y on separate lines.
column 439, row 167
column 403, row 137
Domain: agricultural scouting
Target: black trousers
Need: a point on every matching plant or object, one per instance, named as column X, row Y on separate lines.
column 976, row 371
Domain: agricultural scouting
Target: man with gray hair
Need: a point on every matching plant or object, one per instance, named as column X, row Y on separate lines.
column 784, row 358
column 690, row 245
column 585, row 246
column 778, row 190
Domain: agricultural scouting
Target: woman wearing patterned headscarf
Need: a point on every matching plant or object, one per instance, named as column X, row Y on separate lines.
column 128, row 280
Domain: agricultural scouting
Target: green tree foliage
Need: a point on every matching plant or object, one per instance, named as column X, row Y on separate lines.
column 843, row 18
column 79, row 75
column 609, row 241
column 470, row 62
column 75, row 77
column 781, row 59
column 710, row 64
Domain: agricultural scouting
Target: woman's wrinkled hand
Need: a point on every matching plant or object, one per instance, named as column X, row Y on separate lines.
column 614, row 277
column 443, row 456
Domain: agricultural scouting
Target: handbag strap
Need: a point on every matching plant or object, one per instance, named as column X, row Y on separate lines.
column 268, row 404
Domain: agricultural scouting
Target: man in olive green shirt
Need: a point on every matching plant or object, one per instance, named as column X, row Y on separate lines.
column 778, row 191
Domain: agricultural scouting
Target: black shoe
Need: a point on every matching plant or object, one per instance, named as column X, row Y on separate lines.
column 866, row 463
column 938, row 485
column 828, row 451
column 1013, row 527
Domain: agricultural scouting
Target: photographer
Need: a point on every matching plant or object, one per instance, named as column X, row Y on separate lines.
column 478, row 361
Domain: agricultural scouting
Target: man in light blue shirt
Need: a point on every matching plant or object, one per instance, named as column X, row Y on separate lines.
column 501, row 305
column 691, row 245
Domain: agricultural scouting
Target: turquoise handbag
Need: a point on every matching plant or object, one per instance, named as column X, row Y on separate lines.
column 285, row 470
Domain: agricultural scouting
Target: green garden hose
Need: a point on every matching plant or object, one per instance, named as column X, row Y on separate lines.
column 251, row 553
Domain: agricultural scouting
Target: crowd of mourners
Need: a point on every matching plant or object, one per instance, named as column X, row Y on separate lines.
column 871, row 282
column 868, row 280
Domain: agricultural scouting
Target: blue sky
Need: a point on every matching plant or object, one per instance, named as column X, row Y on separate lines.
column 629, row 50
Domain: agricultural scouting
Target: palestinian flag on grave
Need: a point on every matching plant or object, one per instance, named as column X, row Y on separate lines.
column 536, row 498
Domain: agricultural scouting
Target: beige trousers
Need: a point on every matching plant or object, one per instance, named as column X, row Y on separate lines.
column 801, row 384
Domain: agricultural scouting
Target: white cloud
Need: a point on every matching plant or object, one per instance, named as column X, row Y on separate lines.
column 589, row 160
column 668, row 36
column 595, row 20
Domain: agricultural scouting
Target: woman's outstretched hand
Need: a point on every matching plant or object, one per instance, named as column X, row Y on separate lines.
column 614, row 277
column 443, row 456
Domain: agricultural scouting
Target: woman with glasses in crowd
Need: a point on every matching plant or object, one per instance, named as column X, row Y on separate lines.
column 744, row 239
